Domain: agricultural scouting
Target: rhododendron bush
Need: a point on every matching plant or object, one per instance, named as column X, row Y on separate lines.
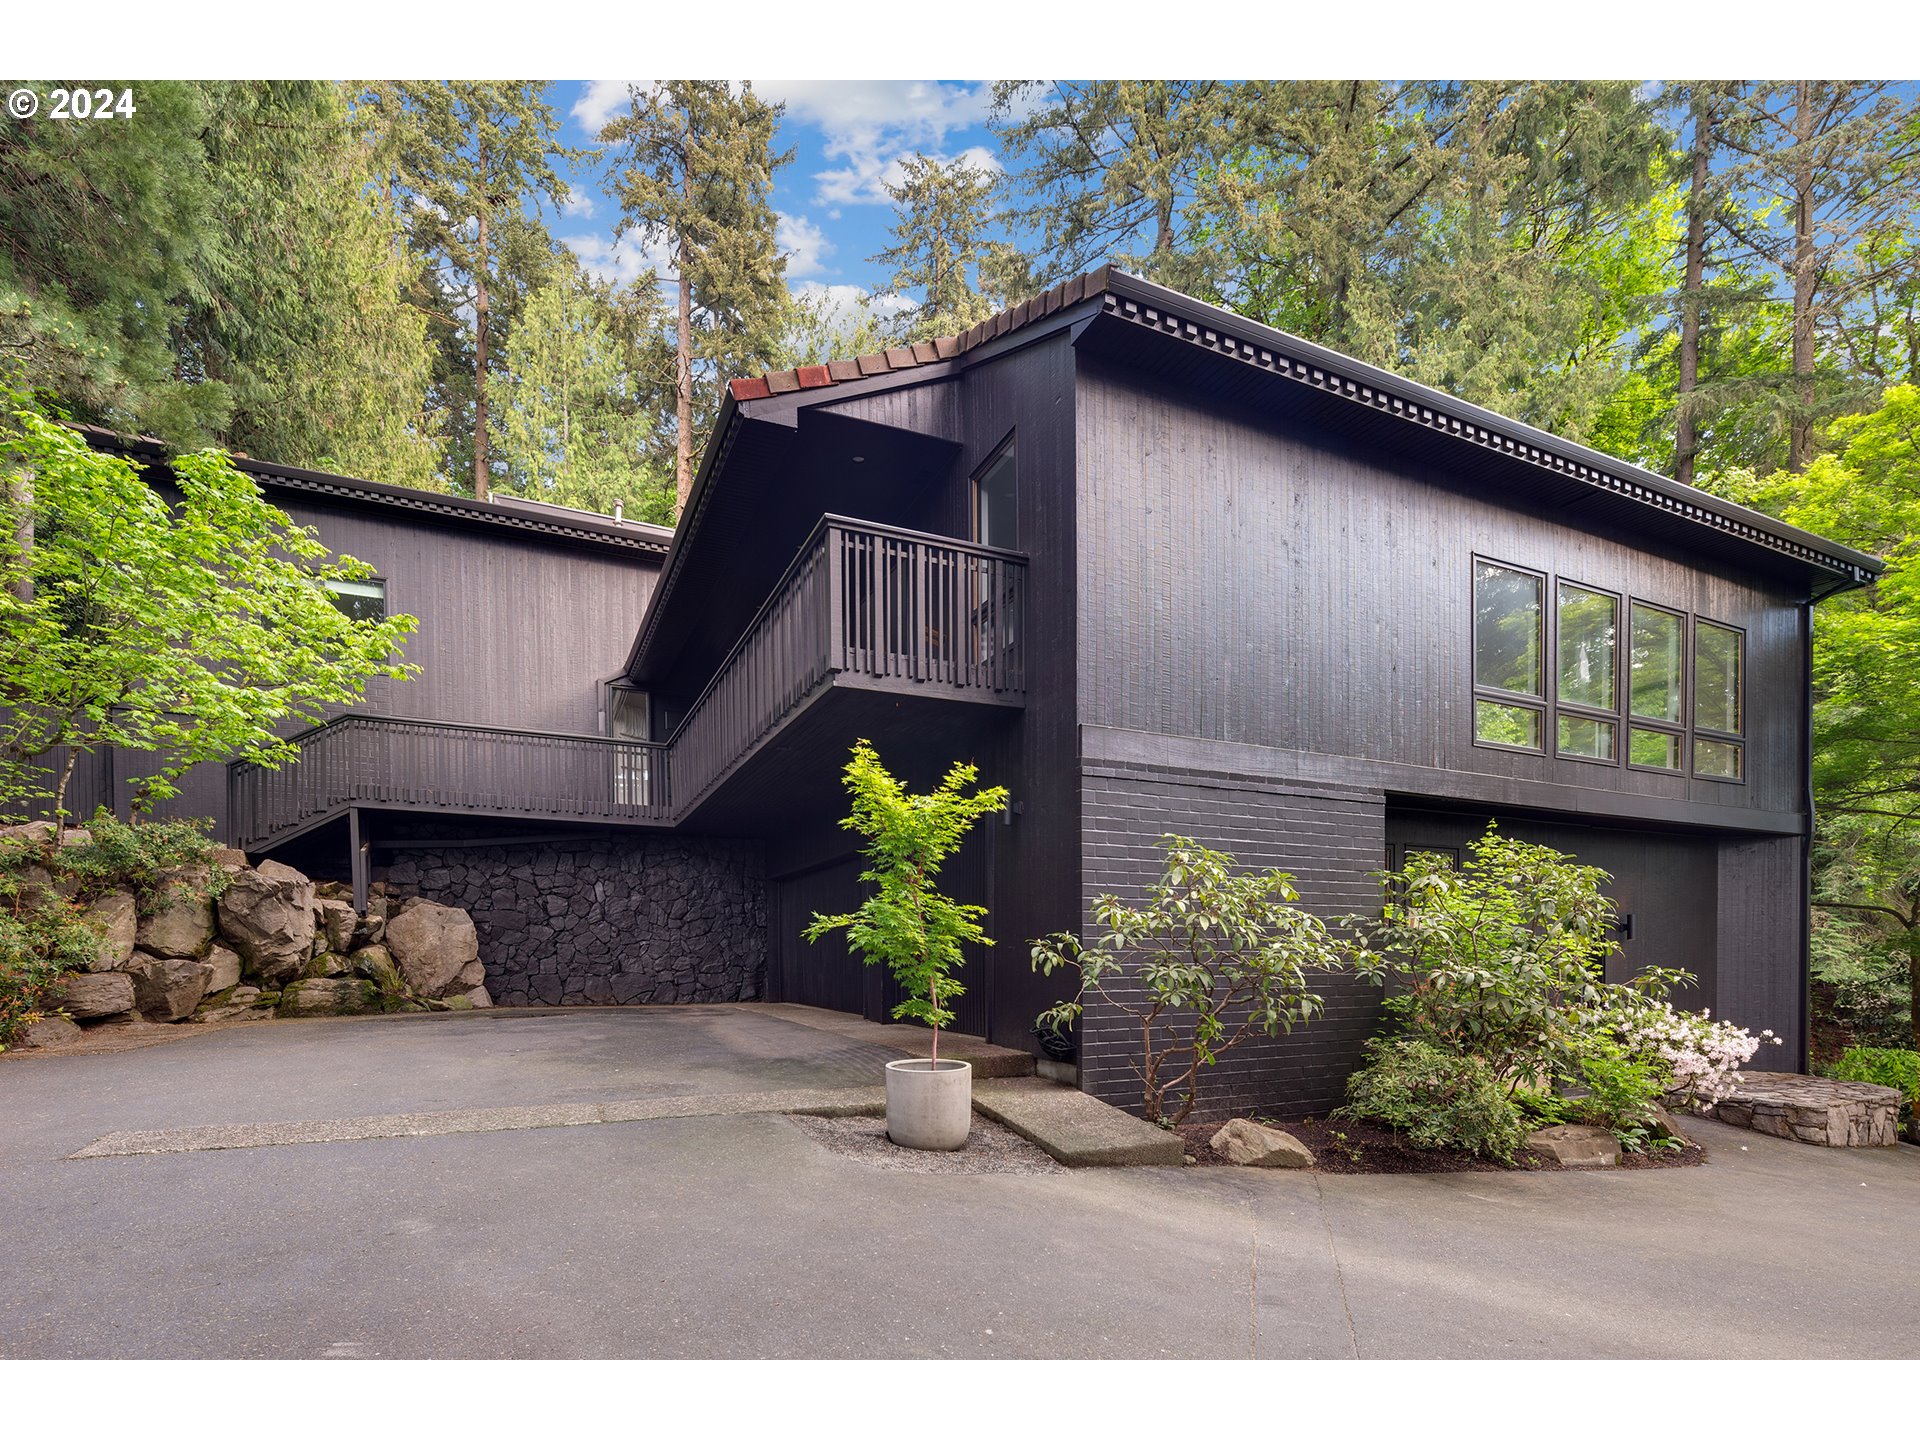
column 1502, row 960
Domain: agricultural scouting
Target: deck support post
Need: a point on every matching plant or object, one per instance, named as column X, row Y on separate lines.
column 358, row 845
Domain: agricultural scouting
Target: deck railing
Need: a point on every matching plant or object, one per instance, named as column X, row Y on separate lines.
column 888, row 607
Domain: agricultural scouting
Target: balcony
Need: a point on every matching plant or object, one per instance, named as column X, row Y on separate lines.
column 862, row 607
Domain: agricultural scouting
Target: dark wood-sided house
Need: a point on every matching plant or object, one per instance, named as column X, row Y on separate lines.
column 1153, row 567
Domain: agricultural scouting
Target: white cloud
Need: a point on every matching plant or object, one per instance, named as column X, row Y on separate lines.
column 871, row 125
column 578, row 204
column 806, row 245
column 601, row 100
column 620, row 261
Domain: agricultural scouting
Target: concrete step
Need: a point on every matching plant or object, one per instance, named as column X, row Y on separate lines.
column 1072, row 1127
column 988, row 1061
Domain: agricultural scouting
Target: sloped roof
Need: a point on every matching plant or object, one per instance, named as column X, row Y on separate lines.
column 927, row 352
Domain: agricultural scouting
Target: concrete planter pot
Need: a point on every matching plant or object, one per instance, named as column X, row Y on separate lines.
column 929, row 1103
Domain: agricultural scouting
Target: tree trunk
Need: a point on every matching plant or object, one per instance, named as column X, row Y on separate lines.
column 1805, row 275
column 1686, row 432
column 683, row 386
column 480, row 309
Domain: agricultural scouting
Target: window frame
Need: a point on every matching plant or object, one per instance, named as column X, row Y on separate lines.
column 1696, row 731
column 1615, row 716
column 386, row 592
column 1678, row 729
column 1541, row 704
column 1005, row 450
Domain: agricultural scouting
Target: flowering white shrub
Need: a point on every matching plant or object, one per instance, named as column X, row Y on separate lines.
column 1698, row 1052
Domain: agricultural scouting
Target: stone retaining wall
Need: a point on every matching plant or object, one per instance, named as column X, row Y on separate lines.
column 650, row 919
column 1812, row 1110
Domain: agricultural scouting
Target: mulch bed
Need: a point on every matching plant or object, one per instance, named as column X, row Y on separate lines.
column 1359, row 1147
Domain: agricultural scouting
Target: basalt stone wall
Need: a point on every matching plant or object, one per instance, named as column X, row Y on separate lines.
column 628, row 921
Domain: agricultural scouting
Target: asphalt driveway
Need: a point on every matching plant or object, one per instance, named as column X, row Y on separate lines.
column 738, row 1235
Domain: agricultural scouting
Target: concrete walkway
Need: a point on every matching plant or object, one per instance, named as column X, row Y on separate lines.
column 738, row 1235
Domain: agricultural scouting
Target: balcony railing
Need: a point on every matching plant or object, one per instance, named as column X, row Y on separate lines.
column 861, row 604
column 896, row 607
column 437, row 765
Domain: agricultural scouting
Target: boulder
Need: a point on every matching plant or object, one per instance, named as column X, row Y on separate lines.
column 93, row 996
column 223, row 969
column 167, row 987
column 337, row 922
column 52, row 1033
column 34, row 832
column 267, row 915
column 328, row 997
column 432, row 944
column 230, row 860
column 369, row 929
column 115, row 918
column 1577, row 1147
column 181, row 922
column 1666, row 1127
column 76, row 837
column 327, row 965
column 479, row 998
column 1242, row 1142
column 472, row 975
column 240, row 1003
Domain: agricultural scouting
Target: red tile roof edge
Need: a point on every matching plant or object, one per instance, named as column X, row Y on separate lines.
column 922, row 352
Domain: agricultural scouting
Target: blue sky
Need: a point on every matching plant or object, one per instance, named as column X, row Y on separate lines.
column 847, row 136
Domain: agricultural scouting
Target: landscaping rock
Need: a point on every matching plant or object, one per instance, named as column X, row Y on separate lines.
column 75, row 837
column 115, row 918
column 230, row 859
column 337, row 922
column 1666, row 1127
column 223, row 969
column 1578, row 1147
column 95, row 995
column 474, row 974
column 52, row 1033
column 181, row 922
column 370, row 928
column 267, row 915
column 328, row 997
column 432, row 944
column 327, row 965
column 167, row 987
column 479, row 998
column 1242, row 1142
column 34, row 832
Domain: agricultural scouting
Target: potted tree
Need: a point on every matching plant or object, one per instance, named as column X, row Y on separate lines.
column 907, row 925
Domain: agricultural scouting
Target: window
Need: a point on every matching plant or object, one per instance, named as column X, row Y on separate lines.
column 359, row 599
column 1587, row 656
column 1674, row 701
column 1718, row 704
column 1508, row 656
column 1657, row 673
column 996, row 519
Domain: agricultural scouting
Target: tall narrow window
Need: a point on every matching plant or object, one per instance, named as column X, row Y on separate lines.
column 1718, row 704
column 1509, row 663
column 1588, row 642
column 359, row 599
column 996, row 519
column 1656, row 676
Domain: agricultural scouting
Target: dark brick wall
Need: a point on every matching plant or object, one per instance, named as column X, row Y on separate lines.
column 1330, row 838
column 629, row 921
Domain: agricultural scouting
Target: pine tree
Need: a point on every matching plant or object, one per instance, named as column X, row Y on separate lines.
column 1824, row 172
column 573, row 424
column 305, row 319
column 938, row 249
column 472, row 155
column 693, row 164
column 1108, row 167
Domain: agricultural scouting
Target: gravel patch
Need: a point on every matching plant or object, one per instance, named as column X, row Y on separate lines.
column 990, row 1148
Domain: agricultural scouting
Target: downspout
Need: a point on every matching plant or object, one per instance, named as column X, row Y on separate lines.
column 1801, row 1061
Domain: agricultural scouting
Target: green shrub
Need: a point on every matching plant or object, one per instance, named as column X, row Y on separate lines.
column 1899, row 1069
column 1213, row 957
column 1623, row 1090
column 1438, row 1098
